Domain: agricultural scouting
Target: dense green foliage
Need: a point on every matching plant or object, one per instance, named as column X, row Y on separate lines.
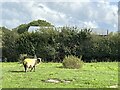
column 92, row 75
column 53, row 44
column 72, row 62
column 40, row 23
column 22, row 28
column 0, row 37
column 9, row 51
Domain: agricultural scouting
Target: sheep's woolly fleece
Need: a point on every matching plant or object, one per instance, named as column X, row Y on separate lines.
column 30, row 62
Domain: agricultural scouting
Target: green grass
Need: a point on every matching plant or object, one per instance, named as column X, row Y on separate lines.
column 92, row 75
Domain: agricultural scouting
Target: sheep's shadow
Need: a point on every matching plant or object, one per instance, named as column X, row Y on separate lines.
column 17, row 71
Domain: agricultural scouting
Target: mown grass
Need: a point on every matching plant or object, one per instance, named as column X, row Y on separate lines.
column 92, row 75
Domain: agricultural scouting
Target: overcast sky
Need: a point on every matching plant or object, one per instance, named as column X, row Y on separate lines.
column 84, row 13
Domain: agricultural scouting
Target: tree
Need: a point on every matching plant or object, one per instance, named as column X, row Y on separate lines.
column 8, row 44
column 24, row 27
column 52, row 44
column 40, row 23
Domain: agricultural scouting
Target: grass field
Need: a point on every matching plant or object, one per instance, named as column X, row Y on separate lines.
column 92, row 75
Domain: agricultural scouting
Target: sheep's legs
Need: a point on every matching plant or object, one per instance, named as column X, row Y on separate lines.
column 25, row 68
column 32, row 68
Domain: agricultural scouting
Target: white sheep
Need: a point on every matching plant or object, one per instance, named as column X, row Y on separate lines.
column 31, row 63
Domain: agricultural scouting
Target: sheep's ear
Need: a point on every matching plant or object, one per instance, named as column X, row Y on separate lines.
column 39, row 59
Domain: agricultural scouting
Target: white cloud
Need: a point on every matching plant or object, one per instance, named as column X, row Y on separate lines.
column 105, row 13
column 41, row 11
column 90, row 24
column 88, row 11
column 115, row 25
column 82, row 13
column 14, row 14
column 11, row 23
column 0, row 14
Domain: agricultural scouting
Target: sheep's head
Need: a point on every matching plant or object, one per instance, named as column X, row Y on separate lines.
column 38, row 60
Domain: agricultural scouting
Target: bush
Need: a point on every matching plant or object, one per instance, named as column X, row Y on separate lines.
column 72, row 62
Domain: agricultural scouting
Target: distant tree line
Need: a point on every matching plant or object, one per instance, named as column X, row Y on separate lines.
column 53, row 45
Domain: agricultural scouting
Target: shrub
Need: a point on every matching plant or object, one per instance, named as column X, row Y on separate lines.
column 72, row 62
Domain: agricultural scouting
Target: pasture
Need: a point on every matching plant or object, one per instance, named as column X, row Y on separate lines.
column 92, row 75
